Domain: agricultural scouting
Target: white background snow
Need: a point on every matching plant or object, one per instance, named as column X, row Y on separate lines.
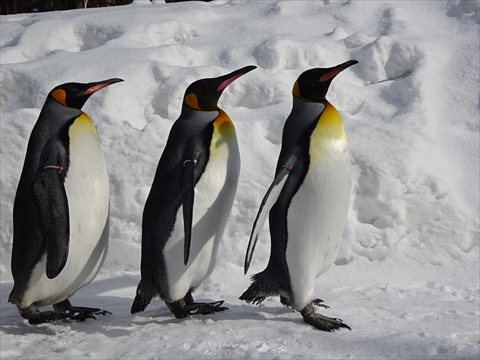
column 407, row 277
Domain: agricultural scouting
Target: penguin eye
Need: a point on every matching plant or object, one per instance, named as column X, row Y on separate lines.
column 313, row 84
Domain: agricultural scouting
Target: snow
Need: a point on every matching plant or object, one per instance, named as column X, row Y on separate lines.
column 407, row 276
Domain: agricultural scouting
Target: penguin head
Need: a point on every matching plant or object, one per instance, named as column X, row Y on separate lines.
column 204, row 94
column 313, row 84
column 75, row 95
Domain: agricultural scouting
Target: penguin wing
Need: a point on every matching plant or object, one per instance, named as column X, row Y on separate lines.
column 268, row 201
column 53, row 203
column 188, row 195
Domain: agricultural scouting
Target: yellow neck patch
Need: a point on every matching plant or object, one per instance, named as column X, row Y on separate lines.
column 330, row 125
column 222, row 125
column 60, row 96
column 192, row 101
column 328, row 138
column 82, row 125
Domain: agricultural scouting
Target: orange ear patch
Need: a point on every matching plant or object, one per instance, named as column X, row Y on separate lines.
column 192, row 101
column 296, row 90
column 60, row 96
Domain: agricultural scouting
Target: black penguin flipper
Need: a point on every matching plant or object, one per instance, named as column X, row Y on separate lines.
column 268, row 201
column 53, row 204
column 188, row 195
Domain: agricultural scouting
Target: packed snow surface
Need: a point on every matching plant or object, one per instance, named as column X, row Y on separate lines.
column 407, row 277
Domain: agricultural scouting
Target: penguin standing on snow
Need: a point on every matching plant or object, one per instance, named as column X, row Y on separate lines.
column 61, row 208
column 307, row 201
column 191, row 197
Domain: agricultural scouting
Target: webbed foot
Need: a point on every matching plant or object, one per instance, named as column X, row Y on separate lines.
column 62, row 311
column 79, row 313
column 82, row 314
column 186, row 307
column 320, row 321
column 208, row 308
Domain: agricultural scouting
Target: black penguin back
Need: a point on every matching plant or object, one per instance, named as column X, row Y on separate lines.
column 49, row 134
column 190, row 134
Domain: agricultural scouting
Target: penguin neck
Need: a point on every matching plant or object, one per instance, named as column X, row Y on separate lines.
column 308, row 107
column 58, row 113
column 307, row 111
column 52, row 119
column 202, row 116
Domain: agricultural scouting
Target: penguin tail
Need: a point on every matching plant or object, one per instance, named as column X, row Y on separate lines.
column 253, row 295
column 144, row 295
column 262, row 286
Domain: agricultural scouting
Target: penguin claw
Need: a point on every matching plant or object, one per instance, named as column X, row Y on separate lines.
column 212, row 310
column 319, row 302
column 82, row 317
column 84, row 313
column 209, row 308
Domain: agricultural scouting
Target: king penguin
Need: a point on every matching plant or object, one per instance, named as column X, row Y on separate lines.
column 307, row 202
column 61, row 209
column 189, row 202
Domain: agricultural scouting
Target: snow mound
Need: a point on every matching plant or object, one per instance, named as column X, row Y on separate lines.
column 406, row 278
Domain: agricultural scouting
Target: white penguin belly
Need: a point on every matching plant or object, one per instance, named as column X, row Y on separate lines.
column 87, row 189
column 214, row 195
column 316, row 219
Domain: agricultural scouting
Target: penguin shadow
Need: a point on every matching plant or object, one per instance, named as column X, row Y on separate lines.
column 100, row 294
column 273, row 313
column 10, row 320
column 162, row 316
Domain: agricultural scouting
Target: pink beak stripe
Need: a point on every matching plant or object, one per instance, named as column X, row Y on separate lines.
column 95, row 88
column 330, row 74
column 227, row 82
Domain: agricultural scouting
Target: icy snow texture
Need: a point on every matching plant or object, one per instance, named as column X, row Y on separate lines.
column 407, row 277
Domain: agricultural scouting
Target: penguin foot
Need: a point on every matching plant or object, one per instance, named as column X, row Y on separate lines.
column 78, row 313
column 35, row 316
column 181, row 310
column 320, row 321
column 84, row 313
column 209, row 308
column 62, row 311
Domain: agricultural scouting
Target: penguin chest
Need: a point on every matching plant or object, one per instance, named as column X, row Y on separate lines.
column 214, row 195
column 86, row 186
column 318, row 211
column 87, row 190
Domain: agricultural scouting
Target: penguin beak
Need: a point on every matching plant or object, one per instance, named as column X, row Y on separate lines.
column 337, row 70
column 229, row 78
column 100, row 85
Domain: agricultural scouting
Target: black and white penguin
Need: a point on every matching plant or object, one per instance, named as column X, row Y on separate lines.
column 61, row 209
column 190, row 200
column 307, row 202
